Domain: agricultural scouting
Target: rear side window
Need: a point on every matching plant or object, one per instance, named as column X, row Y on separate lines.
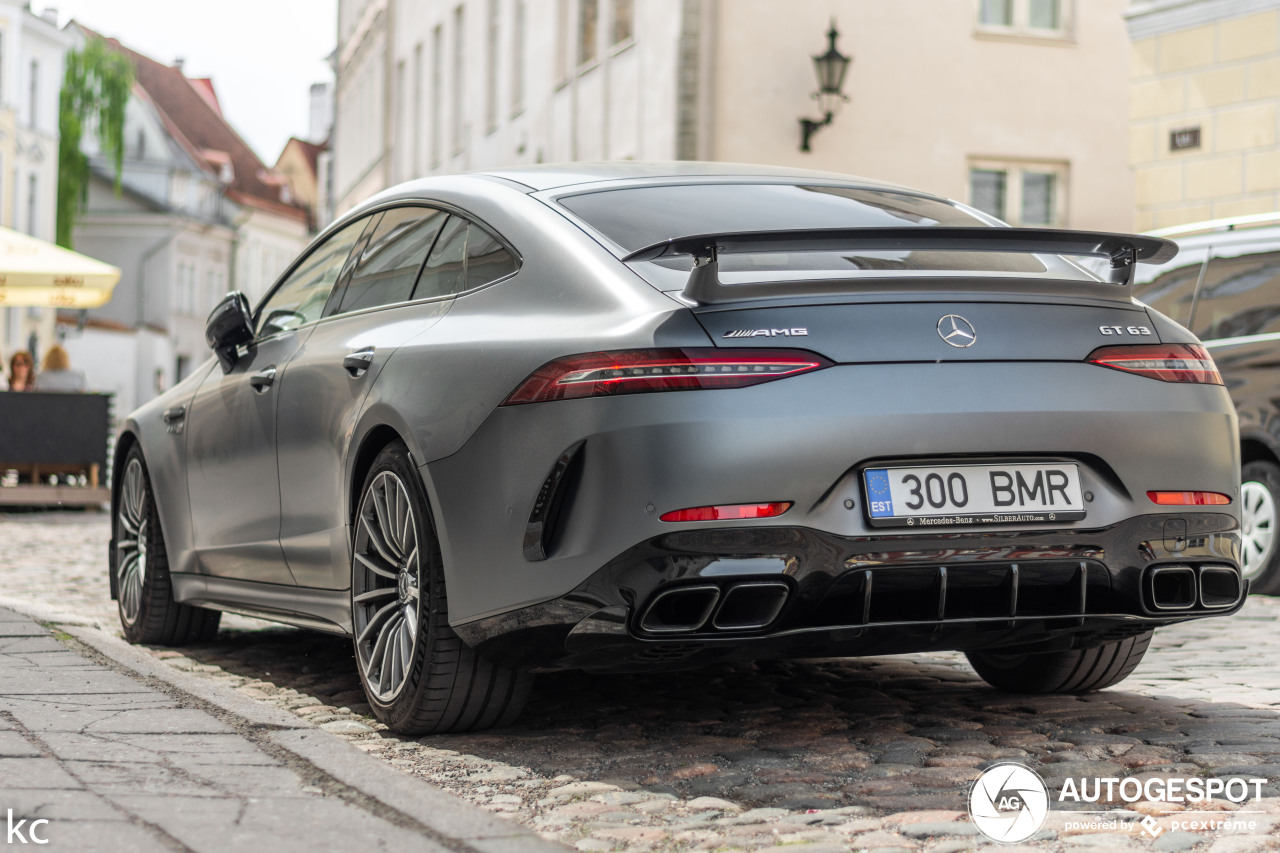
column 1170, row 288
column 1241, row 292
column 465, row 257
column 392, row 257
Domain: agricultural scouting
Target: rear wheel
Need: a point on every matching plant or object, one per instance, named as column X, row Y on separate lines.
column 148, row 612
column 419, row 676
column 1260, row 526
column 1072, row 671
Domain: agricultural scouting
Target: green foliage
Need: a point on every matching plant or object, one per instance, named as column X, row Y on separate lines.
column 95, row 92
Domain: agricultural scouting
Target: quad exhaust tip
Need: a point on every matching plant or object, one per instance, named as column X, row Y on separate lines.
column 741, row 607
column 680, row 610
column 1220, row 587
column 1185, row 587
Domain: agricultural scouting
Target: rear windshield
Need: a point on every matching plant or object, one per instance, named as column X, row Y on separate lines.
column 641, row 216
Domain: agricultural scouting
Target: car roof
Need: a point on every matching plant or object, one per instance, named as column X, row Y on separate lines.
column 555, row 176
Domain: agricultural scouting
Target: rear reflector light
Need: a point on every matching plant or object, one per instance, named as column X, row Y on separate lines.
column 1166, row 362
column 728, row 512
column 600, row 374
column 1188, row 498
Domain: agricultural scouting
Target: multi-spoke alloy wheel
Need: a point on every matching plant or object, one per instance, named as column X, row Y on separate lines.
column 131, row 541
column 385, row 586
column 1260, row 526
column 418, row 674
column 147, row 608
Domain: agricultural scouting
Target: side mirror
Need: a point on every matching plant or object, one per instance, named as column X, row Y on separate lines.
column 228, row 327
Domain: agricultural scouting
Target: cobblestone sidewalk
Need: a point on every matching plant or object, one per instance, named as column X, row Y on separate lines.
column 873, row 754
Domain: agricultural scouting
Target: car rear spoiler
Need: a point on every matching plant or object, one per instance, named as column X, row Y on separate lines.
column 1124, row 251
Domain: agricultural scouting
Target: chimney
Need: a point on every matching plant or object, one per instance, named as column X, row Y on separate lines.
column 178, row 63
column 50, row 14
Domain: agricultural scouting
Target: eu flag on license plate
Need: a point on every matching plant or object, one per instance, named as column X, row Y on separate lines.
column 879, row 498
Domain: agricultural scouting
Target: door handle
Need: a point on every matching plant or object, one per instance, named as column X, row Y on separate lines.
column 263, row 379
column 174, row 415
column 358, row 362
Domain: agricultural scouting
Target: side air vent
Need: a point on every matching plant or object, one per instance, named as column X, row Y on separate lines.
column 544, row 518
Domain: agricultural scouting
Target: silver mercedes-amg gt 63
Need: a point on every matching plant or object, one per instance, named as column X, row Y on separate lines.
column 653, row 416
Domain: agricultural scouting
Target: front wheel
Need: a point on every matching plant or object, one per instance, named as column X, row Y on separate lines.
column 148, row 613
column 419, row 676
column 1072, row 671
column 1260, row 526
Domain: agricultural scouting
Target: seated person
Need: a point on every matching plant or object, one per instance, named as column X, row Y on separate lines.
column 21, row 371
column 57, row 374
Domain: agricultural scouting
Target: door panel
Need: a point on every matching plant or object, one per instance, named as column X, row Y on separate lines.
column 231, row 466
column 320, row 402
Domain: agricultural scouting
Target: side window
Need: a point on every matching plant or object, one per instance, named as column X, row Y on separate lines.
column 301, row 297
column 465, row 257
column 388, row 266
column 445, row 272
column 487, row 259
column 1170, row 288
column 1241, row 292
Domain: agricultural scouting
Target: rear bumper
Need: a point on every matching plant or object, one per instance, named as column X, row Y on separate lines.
column 804, row 439
column 792, row 592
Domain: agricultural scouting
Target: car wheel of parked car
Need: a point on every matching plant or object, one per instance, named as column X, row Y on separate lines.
column 1071, row 671
column 418, row 675
column 1259, row 499
column 148, row 612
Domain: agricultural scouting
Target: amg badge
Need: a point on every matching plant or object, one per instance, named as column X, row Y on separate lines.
column 767, row 333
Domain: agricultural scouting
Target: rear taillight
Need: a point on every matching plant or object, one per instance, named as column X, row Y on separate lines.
column 1166, row 362
column 1188, row 498
column 600, row 374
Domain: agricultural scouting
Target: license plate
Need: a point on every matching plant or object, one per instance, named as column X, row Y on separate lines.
column 938, row 496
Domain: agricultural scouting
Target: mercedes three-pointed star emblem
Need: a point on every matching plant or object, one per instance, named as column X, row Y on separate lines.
column 957, row 331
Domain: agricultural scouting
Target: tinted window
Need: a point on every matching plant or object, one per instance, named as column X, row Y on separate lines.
column 301, row 297
column 445, row 272
column 391, row 259
column 1241, row 292
column 487, row 259
column 641, row 216
column 1170, row 288
column 465, row 256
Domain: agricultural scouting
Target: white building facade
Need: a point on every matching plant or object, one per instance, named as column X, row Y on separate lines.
column 1019, row 106
column 32, row 55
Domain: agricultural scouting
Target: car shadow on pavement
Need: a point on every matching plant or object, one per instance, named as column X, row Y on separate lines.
column 894, row 733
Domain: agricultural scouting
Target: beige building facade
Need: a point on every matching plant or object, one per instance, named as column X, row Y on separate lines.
column 1018, row 106
column 1204, row 138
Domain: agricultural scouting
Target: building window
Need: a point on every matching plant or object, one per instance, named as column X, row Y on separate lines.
column 491, row 68
column 34, row 95
column 417, row 109
column 588, row 18
column 459, row 45
column 563, row 41
column 437, row 94
column 623, row 21
column 517, row 59
column 32, row 196
column 1029, row 194
column 1029, row 17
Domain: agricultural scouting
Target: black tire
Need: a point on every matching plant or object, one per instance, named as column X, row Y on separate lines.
column 1260, row 526
column 148, row 613
column 419, row 677
column 1073, row 671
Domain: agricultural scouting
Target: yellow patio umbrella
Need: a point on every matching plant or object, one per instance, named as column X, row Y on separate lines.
column 36, row 273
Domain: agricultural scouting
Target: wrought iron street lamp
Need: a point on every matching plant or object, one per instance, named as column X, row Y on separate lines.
column 830, row 68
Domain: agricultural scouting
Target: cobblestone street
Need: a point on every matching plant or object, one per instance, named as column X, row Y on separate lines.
column 873, row 754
